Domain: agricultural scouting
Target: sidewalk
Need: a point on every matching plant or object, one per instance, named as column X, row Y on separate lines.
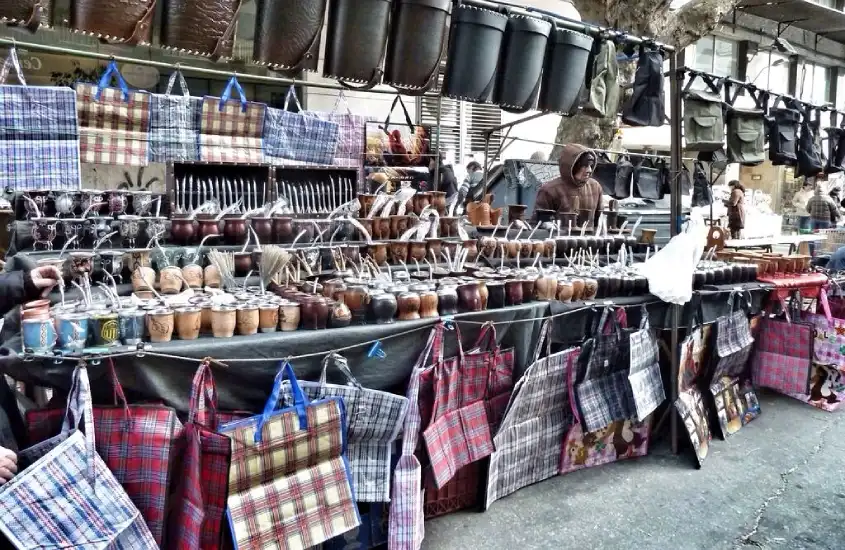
column 777, row 484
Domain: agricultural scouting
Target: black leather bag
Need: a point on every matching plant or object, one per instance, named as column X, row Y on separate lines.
column 684, row 180
column 605, row 174
column 287, row 33
column 647, row 104
column 835, row 146
column 418, row 32
column 782, row 125
column 702, row 194
column 624, row 175
column 565, row 70
column 521, row 67
column 810, row 158
column 356, row 40
column 648, row 180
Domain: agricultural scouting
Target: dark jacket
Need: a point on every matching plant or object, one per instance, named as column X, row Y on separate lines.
column 736, row 209
column 16, row 288
column 560, row 193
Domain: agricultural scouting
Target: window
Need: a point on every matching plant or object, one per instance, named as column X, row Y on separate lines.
column 716, row 56
column 825, row 3
column 815, row 83
column 770, row 71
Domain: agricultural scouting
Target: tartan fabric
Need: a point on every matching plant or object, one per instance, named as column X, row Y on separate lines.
column 783, row 356
column 374, row 419
column 351, row 135
column 112, row 130
column 733, row 345
column 289, row 485
column 231, row 135
column 644, row 375
column 603, row 400
column 174, row 128
column 457, row 439
column 301, row 137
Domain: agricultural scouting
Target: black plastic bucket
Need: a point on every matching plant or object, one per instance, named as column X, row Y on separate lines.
column 356, row 39
column 475, row 42
column 418, row 31
column 287, row 33
column 521, row 69
column 565, row 70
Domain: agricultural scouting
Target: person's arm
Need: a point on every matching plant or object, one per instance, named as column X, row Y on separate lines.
column 736, row 195
column 834, row 212
column 19, row 287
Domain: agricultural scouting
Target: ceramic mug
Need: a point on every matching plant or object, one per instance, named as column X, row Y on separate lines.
column 247, row 319
column 289, row 316
column 160, row 325
column 103, row 328
column 72, row 331
column 39, row 335
column 131, row 323
column 188, row 322
column 268, row 317
column 223, row 321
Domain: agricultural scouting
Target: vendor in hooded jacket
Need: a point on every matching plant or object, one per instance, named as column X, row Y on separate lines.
column 576, row 165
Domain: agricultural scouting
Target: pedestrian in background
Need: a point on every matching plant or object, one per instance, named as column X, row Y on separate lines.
column 736, row 209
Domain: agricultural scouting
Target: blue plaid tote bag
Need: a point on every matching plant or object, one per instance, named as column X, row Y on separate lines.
column 39, row 136
column 65, row 495
column 299, row 137
column 644, row 372
column 175, row 124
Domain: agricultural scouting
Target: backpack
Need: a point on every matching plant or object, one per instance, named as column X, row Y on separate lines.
column 783, row 132
column 746, row 136
column 702, row 195
column 810, row 158
column 646, row 106
column 648, row 180
column 835, row 146
column 602, row 90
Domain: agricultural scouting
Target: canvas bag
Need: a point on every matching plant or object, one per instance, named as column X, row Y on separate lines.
column 644, row 372
column 783, row 355
column 602, row 81
column 373, row 422
column 201, row 472
column 646, row 105
column 810, row 158
column 285, row 461
column 298, row 136
column 702, row 194
column 114, row 123
column 136, row 443
column 648, row 180
column 231, row 130
column 39, row 146
column 746, row 136
column 175, row 124
column 64, row 495
column 704, row 124
column 529, row 441
column 783, row 134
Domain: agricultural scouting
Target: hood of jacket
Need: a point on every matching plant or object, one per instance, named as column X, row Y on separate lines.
column 568, row 158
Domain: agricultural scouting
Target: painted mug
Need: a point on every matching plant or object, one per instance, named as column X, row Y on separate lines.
column 39, row 335
column 72, row 331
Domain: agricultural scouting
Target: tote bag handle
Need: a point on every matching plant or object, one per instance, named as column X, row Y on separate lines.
column 203, row 407
column 12, row 62
column 299, row 400
column 79, row 414
column 227, row 94
column 105, row 80
column 341, row 96
column 182, row 83
column 342, row 365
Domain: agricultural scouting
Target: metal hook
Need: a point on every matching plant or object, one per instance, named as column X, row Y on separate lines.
column 139, row 350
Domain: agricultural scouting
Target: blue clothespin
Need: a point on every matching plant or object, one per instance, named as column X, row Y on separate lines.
column 376, row 351
column 448, row 322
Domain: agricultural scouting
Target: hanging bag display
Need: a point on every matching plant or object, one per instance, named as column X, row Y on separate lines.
column 288, row 34
column 401, row 144
column 373, row 422
column 351, row 132
column 835, row 145
column 810, row 158
column 602, row 80
column 64, row 495
column 702, row 194
column 564, row 70
column 647, row 104
column 486, row 354
column 114, row 123
column 191, row 27
column 783, row 355
column 624, row 178
column 605, row 173
column 417, row 44
column 289, row 466
column 746, row 136
column 231, row 130
column 690, row 402
column 39, row 136
column 648, row 180
column 175, row 124
column 135, row 441
column 783, row 133
column 356, row 40
column 26, row 13
column 519, row 75
column 476, row 39
column 644, row 372
column 118, row 22
column 298, row 136
column 704, row 124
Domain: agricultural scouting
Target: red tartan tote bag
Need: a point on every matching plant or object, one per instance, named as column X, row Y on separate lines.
column 289, row 482
column 783, row 355
column 499, row 362
column 135, row 441
column 231, row 130
column 114, row 123
column 201, row 466
column 65, row 496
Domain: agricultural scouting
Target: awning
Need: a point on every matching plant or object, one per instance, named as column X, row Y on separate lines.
column 802, row 14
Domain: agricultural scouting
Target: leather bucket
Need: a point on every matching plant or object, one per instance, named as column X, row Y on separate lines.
column 418, row 31
column 124, row 22
column 287, row 33
column 200, row 27
column 565, row 70
column 521, row 69
column 356, row 40
column 475, row 42
column 26, row 13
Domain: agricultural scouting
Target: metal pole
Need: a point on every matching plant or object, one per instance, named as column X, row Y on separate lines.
column 436, row 186
column 675, row 227
column 486, row 161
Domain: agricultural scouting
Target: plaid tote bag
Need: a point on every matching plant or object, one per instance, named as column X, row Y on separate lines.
column 231, row 130
column 175, row 124
column 733, row 342
column 135, row 441
column 201, row 466
column 65, row 496
column 644, row 373
column 299, row 136
column 351, row 134
column 289, row 482
column 39, row 136
column 114, row 123
column 373, row 421
column 497, row 391
column 783, row 355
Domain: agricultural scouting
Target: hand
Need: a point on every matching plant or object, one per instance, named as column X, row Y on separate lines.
column 45, row 278
column 8, row 465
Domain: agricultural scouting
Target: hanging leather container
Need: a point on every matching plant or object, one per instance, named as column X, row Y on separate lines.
column 702, row 195
column 624, row 173
column 836, row 150
column 418, row 32
column 565, row 70
column 605, row 173
column 783, row 135
column 200, row 27
column 602, row 88
column 127, row 22
column 287, row 33
column 356, row 40
column 646, row 106
column 704, row 125
column 746, row 136
column 26, row 13
column 810, row 161
column 648, row 181
column 475, row 41
column 524, row 52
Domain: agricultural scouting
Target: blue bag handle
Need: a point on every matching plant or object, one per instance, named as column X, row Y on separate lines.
column 105, row 80
column 227, row 93
column 300, row 402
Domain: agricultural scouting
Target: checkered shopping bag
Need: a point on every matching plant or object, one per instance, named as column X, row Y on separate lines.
column 289, row 483
column 373, row 422
column 351, row 134
column 733, row 342
column 175, row 124
column 39, row 136
column 201, row 472
column 644, row 374
column 497, row 390
column 783, row 356
column 135, row 441
column 114, row 123
column 231, row 130
column 65, row 496
column 299, row 136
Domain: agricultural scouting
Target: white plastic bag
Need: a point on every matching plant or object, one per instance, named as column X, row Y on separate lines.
column 670, row 271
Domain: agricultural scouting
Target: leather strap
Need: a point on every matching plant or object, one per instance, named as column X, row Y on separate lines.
column 142, row 25
column 378, row 72
column 226, row 37
column 307, row 55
